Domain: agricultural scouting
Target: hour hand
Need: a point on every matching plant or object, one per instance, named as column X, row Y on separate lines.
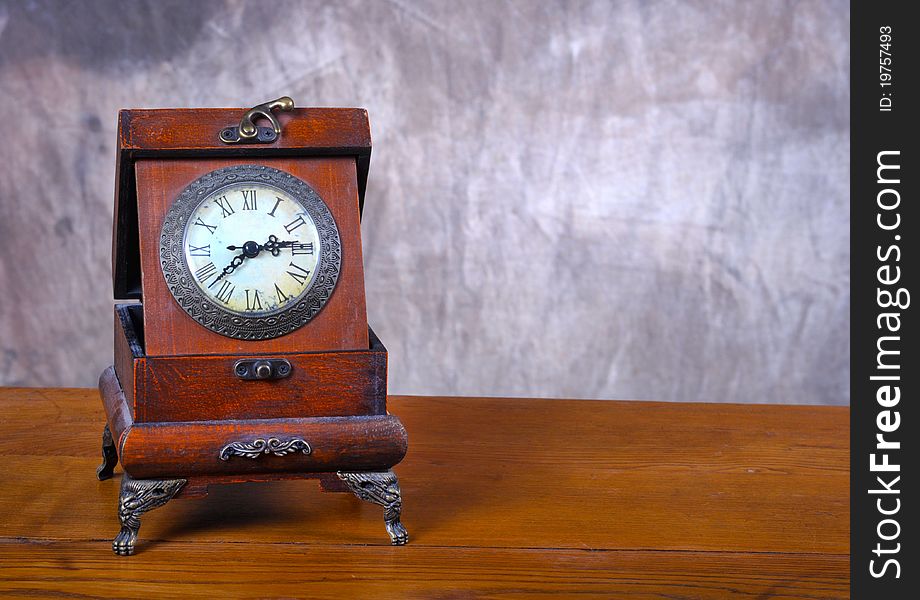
column 250, row 249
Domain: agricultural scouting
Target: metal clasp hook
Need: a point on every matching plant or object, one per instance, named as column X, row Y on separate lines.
column 248, row 133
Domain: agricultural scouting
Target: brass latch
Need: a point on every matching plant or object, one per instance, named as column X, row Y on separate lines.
column 247, row 132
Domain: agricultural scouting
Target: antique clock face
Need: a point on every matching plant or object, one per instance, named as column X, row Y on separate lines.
column 250, row 252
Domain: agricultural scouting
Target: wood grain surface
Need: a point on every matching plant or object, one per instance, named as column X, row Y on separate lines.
column 304, row 130
column 502, row 498
column 181, row 388
column 361, row 443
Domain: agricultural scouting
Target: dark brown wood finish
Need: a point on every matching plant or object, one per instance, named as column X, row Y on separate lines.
column 184, row 449
column 199, row 486
column 129, row 349
column 176, row 133
column 504, row 498
column 305, row 131
column 117, row 409
column 169, row 331
column 205, row 388
column 173, row 400
column 163, row 450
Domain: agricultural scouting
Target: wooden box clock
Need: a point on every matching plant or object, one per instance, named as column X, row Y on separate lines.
column 249, row 356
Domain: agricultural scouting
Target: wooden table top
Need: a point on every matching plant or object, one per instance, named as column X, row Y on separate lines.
column 501, row 497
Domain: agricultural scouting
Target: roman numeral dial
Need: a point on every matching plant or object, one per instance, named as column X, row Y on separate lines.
column 211, row 228
column 251, row 252
column 295, row 224
column 225, row 292
column 253, row 301
column 299, row 274
column 205, row 272
column 226, row 208
column 199, row 250
column 252, row 249
column 302, row 248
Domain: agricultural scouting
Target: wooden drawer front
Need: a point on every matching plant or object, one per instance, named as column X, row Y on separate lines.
column 238, row 447
column 205, row 388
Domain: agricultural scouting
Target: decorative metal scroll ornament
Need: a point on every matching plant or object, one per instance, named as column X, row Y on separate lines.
column 179, row 278
column 257, row 448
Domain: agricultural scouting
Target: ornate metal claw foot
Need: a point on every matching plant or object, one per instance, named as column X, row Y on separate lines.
column 380, row 488
column 138, row 496
column 109, row 456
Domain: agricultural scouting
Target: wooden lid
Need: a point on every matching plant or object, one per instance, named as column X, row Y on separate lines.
column 190, row 133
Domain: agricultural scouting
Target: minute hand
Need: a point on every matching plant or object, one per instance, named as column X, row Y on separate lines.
column 252, row 250
column 272, row 245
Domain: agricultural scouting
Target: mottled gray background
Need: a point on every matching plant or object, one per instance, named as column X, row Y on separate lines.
column 583, row 199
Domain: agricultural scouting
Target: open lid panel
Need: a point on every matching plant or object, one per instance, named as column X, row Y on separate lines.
column 193, row 133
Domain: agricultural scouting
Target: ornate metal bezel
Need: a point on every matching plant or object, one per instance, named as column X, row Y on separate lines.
column 221, row 320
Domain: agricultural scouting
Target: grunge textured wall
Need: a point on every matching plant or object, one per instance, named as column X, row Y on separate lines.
column 613, row 199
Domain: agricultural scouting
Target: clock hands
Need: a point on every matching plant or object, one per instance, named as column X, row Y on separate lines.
column 251, row 250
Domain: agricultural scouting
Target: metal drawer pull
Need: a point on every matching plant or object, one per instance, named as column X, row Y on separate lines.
column 258, row 447
column 262, row 368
